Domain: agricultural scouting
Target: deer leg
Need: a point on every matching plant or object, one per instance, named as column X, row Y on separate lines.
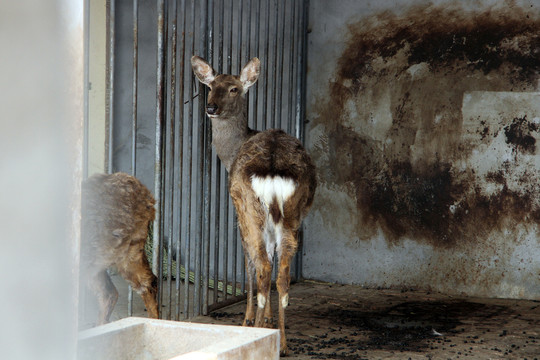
column 136, row 270
column 268, row 318
column 264, row 278
column 106, row 295
column 249, row 319
column 286, row 253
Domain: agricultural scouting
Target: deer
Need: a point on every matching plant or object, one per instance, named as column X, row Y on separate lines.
column 116, row 212
column 272, row 182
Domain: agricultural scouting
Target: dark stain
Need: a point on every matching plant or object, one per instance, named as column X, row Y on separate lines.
column 411, row 325
column 485, row 131
column 425, row 61
column 518, row 133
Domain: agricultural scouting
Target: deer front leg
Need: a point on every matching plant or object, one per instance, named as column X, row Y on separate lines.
column 286, row 254
column 249, row 318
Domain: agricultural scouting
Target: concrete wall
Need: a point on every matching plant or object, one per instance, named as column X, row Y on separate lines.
column 424, row 119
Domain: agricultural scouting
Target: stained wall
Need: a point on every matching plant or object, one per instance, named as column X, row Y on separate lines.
column 423, row 121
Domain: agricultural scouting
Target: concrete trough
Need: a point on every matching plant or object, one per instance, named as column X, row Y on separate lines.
column 144, row 339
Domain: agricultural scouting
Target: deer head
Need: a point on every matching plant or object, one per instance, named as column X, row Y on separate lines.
column 226, row 95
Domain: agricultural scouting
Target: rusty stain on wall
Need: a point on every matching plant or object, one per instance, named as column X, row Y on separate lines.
column 406, row 159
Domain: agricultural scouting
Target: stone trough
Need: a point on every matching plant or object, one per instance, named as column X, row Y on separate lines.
column 144, row 339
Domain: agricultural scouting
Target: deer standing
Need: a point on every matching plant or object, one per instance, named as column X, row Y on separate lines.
column 116, row 212
column 272, row 182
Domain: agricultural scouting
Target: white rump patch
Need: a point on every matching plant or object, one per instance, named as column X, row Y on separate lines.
column 269, row 187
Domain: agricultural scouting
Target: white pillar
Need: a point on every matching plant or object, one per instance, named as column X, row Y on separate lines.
column 41, row 117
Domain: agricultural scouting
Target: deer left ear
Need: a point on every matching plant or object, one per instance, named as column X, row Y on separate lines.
column 204, row 72
column 250, row 73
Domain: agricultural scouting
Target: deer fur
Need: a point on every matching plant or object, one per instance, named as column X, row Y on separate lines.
column 271, row 181
column 116, row 212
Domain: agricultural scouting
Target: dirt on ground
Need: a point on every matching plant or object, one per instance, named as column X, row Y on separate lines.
column 329, row 321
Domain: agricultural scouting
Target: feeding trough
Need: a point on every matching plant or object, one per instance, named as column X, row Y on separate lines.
column 144, row 339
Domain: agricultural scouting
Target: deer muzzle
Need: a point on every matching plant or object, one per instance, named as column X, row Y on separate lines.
column 211, row 109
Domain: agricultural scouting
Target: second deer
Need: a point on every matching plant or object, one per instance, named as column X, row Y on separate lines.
column 272, row 182
column 116, row 212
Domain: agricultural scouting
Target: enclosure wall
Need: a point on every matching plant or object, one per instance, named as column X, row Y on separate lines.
column 424, row 118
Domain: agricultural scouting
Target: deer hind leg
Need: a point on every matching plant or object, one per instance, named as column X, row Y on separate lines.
column 258, row 264
column 285, row 252
column 137, row 272
column 264, row 281
column 106, row 294
column 249, row 319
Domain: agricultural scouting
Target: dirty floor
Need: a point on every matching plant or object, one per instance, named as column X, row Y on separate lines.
column 328, row 321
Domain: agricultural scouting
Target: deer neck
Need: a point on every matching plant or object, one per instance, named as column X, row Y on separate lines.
column 228, row 135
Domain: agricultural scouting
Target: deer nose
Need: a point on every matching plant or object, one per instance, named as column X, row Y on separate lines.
column 211, row 109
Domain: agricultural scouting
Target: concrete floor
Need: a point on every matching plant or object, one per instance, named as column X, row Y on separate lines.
column 328, row 321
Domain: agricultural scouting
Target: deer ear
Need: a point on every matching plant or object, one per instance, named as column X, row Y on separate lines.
column 204, row 72
column 250, row 73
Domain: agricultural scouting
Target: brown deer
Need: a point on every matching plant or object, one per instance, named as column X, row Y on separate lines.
column 116, row 212
column 272, row 182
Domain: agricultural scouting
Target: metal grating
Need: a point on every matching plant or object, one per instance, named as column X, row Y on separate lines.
column 159, row 132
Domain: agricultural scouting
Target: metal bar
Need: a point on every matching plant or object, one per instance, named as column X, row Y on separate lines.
column 224, row 210
column 281, row 67
column 218, row 233
column 134, row 114
column 135, row 86
column 180, row 157
column 255, row 91
column 290, row 117
column 239, row 36
column 110, row 83
column 273, row 119
column 170, row 161
column 247, row 56
column 302, row 70
column 160, row 116
column 267, row 66
column 225, row 217
column 299, row 66
column 199, row 206
column 220, row 38
column 235, row 237
column 229, row 52
column 217, row 206
column 224, row 303
column 189, row 142
column 231, row 208
column 207, row 170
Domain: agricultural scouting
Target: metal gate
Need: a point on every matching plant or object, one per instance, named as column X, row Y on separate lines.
column 159, row 132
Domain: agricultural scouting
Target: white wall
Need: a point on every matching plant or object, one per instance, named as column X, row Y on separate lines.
column 40, row 166
column 97, row 130
column 424, row 125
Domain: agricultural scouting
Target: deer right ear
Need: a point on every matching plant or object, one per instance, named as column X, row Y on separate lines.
column 250, row 73
column 204, row 72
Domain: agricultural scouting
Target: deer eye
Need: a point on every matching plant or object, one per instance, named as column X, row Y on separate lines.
column 234, row 90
